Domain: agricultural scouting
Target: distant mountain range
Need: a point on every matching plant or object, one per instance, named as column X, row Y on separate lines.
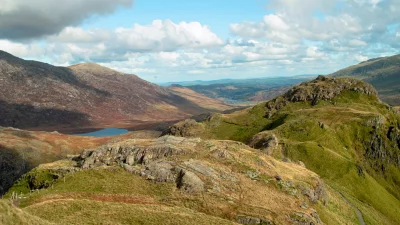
column 383, row 73
column 272, row 80
column 39, row 95
column 241, row 91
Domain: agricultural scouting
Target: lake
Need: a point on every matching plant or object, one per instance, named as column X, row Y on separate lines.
column 105, row 132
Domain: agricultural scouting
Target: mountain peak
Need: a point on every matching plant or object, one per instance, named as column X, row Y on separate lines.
column 92, row 67
column 326, row 88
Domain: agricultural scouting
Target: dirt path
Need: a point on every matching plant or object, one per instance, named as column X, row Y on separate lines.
column 358, row 212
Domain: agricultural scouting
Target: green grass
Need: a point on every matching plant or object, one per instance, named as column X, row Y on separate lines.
column 335, row 150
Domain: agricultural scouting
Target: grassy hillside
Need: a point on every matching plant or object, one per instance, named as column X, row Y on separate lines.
column 21, row 151
column 337, row 127
column 179, row 181
column 383, row 73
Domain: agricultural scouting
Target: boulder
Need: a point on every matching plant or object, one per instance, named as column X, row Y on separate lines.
column 189, row 182
column 265, row 141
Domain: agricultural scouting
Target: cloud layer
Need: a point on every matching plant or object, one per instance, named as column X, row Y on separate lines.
column 296, row 37
column 21, row 19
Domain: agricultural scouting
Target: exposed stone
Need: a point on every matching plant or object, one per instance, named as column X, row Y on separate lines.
column 160, row 171
column 202, row 168
column 189, row 182
column 322, row 88
column 186, row 128
column 316, row 193
column 250, row 220
column 265, row 141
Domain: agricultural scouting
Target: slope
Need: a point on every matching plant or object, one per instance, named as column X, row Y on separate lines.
column 21, row 151
column 35, row 94
column 383, row 73
column 200, row 99
column 337, row 127
column 173, row 180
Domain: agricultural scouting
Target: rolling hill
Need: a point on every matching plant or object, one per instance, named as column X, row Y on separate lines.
column 35, row 94
column 383, row 73
column 337, row 126
column 172, row 180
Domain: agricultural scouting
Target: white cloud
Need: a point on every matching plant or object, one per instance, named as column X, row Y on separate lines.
column 360, row 58
column 299, row 37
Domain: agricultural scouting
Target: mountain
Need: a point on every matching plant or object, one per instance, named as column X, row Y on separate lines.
column 337, row 127
column 35, row 94
column 325, row 152
column 383, row 73
column 244, row 91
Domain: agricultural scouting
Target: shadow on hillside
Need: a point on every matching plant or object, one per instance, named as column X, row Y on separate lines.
column 28, row 116
column 12, row 166
column 39, row 70
column 185, row 105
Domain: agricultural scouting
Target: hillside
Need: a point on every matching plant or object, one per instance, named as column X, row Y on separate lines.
column 337, row 127
column 201, row 100
column 35, row 94
column 383, row 73
column 173, row 180
column 21, row 151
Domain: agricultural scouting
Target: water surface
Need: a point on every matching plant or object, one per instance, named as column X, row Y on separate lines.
column 105, row 132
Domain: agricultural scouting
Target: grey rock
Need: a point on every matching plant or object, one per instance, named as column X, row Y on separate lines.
column 316, row 193
column 265, row 141
column 160, row 171
column 250, row 220
column 189, row 182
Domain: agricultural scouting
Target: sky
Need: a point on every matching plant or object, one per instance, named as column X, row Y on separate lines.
column 183, row 40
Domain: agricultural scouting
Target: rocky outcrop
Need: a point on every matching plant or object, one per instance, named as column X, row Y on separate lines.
column 318, row 193
column 149, row 160
column 322, row 88
column 265, row 141
column 250, row 220
column 186, row 128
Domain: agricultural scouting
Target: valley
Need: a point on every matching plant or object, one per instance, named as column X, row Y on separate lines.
column 150, row 112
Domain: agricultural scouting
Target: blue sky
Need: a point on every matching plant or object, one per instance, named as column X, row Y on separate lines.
column 216, row 14
column 163, row 41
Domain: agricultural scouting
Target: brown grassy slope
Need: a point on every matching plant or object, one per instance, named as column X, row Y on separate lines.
column 35, row 94
column 223, row 182
column 20, row 150
column 201, row 100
